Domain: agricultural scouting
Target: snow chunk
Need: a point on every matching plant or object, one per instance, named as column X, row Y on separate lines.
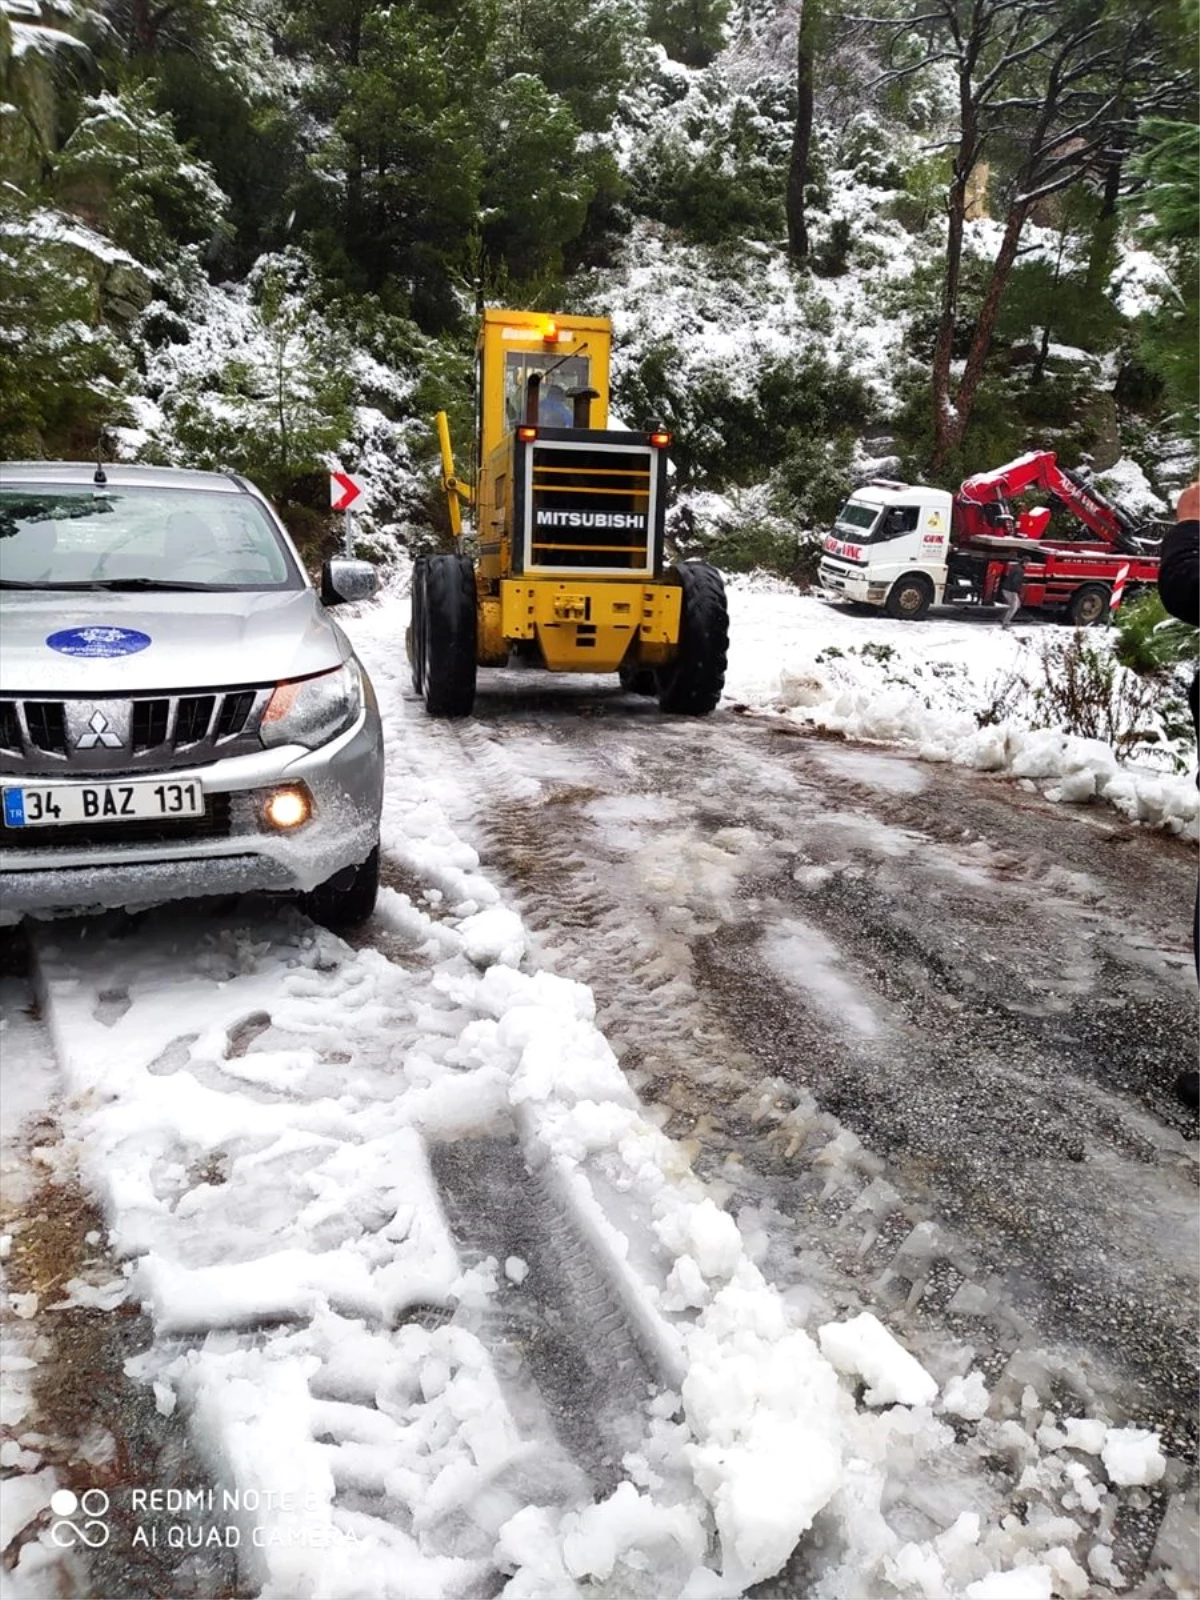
column 863, row 1346
column 966, row 1397
column 492, row 936
column 760, row 1398
column 1132, row 1456
column 705, row 1233
column 596, row 1538
column 23, row 1499
column 1025, row 1583
column 1086, row 1433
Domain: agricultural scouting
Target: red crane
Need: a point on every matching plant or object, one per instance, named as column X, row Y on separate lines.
column 982, row 503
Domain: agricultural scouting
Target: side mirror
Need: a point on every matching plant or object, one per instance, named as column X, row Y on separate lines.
column 345, row 579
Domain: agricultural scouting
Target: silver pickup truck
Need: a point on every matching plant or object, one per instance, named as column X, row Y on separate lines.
column 179, row 713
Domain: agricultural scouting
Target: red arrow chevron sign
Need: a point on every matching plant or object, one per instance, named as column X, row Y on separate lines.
column 344, row 490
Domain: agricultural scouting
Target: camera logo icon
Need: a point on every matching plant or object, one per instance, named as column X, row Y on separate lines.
column 92, row 1507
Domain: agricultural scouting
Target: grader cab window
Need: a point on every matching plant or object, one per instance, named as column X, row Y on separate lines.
column 571, row 372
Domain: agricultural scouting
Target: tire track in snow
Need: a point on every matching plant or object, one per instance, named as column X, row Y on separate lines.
column 263, row 1204
column 71, row 1419
column 894, row 1244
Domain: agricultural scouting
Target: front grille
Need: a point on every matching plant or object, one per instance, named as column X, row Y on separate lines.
column 234, row 713
column 47, row 724
column 214, row 824
column 192, row 720
column 591, row 506
column 147, row 734
column 148, row 728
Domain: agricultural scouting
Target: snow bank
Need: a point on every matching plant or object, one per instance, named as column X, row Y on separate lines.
column 925, row 686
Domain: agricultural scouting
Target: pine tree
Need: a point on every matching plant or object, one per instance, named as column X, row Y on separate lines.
column 124, row 171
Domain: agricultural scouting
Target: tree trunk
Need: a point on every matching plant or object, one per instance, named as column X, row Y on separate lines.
column 944, row 416
column 141, row 30
column 797, row 177
column 1100, row 252
column 1039, row 366
column 981, row 340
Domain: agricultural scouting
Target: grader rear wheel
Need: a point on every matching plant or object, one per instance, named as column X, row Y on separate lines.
column 415, row 639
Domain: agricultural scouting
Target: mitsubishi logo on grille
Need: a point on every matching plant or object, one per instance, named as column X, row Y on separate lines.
column 100, row 734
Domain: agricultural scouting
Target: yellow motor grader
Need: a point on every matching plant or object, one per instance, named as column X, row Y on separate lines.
column 568, row 570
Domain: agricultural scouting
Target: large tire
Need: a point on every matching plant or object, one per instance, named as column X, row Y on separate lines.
column 691, row 685
column 448, row 637
column 348, row 898
column 415, row 640
column 910, row 598
column 1089, row 605
column 638, row 680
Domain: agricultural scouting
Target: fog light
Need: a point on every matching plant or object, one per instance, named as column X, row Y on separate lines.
column 288, row 808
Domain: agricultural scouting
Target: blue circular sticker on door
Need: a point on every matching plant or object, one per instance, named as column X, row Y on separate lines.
column 98, row 641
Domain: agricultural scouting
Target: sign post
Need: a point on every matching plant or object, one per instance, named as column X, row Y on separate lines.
column 344, row 490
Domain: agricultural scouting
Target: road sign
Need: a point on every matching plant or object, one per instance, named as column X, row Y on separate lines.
column 344, row 490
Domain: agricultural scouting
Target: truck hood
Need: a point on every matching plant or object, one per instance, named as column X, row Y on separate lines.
column 193, row 640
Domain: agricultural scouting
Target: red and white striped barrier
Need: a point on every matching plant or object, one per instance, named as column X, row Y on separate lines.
column 1118, row 588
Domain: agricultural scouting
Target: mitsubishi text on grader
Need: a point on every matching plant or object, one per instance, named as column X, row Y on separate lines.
column 568, row 567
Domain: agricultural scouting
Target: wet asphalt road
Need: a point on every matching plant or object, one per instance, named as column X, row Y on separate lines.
column 920, row 1021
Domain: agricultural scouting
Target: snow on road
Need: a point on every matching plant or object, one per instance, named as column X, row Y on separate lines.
column 265, row 1111
column 928, row 686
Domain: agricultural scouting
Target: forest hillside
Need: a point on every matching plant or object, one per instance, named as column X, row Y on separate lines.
column 253, row 234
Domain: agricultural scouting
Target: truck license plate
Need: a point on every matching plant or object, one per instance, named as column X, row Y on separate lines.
column 48, row 805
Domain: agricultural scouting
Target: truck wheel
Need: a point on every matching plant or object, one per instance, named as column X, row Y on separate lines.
column 691, row 684
column 1088, row 605
column 638, row 680
column 348, row 898
column 448, row 636
column 910, row 598
column 415, row 639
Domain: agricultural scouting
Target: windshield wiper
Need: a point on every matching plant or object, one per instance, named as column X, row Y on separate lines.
column 117, row 584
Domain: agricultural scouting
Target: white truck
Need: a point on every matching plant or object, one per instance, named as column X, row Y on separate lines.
column 906, row 547
column 889, row 548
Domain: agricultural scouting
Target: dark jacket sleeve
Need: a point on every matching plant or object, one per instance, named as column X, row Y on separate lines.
column 1179, row 572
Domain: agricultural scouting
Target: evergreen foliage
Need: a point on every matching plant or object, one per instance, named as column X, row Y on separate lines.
column 690, row 31
column 1169, row 167
column 124, row 170
column 63, row 373
column 271, row 403
column 315, row 191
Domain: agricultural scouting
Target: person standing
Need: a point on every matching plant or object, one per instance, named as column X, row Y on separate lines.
column 1012, row 583
column 1179, row 591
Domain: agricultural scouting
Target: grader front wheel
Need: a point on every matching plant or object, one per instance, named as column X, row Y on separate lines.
column 691, row 684
column 448, row 636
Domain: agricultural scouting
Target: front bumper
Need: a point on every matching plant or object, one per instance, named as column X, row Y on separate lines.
column 344, row 779
column 850, row 583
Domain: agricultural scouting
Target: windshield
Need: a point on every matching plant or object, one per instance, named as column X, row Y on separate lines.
column 562, row 375
column 854, row 515
column 139, row 538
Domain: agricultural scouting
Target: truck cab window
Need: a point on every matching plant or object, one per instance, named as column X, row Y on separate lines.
column 895, row 523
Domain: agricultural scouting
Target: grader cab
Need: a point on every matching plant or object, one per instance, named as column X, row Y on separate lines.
column 566, row 568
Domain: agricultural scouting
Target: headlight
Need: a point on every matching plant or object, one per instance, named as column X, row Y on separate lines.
column 313, row 710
